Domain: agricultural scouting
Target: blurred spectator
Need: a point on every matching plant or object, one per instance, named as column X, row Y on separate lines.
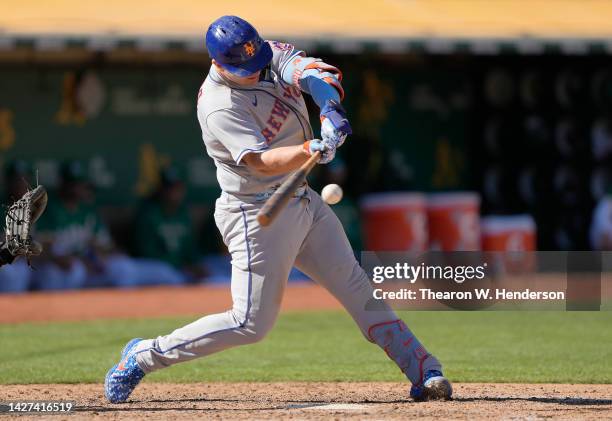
column 72, row 234
column 16, row 277
column 164, row 229
column 601, row 224
column 79, row 249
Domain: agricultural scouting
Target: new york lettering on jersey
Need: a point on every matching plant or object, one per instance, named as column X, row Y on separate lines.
column 238, row 120
column 274, row 123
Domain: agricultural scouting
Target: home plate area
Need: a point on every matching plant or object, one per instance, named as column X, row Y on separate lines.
column 314, row 401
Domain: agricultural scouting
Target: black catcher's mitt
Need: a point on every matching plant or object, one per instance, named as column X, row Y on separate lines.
column 20, row 217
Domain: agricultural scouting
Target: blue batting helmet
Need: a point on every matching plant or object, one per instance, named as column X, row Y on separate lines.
column 236, row 46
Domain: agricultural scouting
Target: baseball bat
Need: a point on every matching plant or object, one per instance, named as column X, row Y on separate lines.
column 281, row 196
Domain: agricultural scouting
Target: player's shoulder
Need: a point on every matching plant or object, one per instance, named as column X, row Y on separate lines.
column 283, row 50
column 283, row 53
column 279, row 46
column 213, row 96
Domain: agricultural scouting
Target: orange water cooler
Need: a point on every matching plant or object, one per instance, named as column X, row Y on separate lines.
column 453, row 221
column 513, row 239
column 394, row 222
column 508, row 233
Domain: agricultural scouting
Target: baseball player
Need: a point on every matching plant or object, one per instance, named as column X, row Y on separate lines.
column 255, row 127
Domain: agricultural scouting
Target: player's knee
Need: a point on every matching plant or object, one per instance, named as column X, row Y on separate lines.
column 257, row 327
column 251, row 334
column 261, row 325
column 258, row 333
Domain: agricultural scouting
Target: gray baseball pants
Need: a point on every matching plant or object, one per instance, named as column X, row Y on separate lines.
column 306, row 234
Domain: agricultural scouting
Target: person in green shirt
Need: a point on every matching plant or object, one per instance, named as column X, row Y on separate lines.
column 79, row 249
column 164, row 229
column 72, row 233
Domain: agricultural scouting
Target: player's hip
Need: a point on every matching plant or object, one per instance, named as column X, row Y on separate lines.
column 260, row 197
column 234, row 212
column 241, row 232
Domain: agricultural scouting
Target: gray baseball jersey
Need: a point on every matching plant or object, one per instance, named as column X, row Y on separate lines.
column 236, row 121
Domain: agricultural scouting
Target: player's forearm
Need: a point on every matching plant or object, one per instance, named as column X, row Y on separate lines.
column 319, row 90
column 278, row 160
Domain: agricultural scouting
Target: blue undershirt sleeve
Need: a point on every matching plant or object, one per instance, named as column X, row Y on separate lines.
column 320, row 90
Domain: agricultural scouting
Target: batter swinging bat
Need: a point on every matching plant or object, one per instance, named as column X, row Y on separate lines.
column 281, row 196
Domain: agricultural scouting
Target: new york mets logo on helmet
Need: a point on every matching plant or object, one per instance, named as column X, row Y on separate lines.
column 249, row 48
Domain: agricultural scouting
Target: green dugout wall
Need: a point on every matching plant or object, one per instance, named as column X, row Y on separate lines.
column 125, row 119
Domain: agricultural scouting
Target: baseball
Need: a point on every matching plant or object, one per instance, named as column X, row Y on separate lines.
column 332, row 194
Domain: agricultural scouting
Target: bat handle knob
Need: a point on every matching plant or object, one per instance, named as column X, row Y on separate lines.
column 263, row 219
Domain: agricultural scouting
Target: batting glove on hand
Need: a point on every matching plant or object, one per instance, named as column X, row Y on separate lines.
column 335, row 127
column 327, row 149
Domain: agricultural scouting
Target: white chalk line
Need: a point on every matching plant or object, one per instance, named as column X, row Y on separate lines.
column 328, row 406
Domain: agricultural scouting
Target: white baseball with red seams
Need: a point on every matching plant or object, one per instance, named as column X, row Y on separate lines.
column 332, row 194
column 238, row 120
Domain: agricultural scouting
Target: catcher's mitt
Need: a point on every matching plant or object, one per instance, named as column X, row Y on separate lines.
column 20, row 217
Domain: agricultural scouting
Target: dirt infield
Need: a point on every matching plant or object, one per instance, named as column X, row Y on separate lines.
column 144, row 303
column 317, row 401
column 309, row 401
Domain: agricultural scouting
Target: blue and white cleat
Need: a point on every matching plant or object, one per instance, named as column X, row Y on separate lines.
column 121, row 380
column 435, row 387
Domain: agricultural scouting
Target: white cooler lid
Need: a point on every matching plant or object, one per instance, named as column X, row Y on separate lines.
column 392, row 200
column 446, row 199
column 495, row 224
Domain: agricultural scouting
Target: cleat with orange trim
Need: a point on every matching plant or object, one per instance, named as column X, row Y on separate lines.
column 123, row 378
